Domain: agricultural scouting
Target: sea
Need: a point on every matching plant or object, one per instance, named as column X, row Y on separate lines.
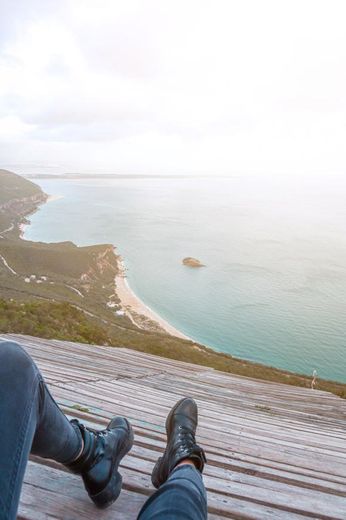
column 273, row 289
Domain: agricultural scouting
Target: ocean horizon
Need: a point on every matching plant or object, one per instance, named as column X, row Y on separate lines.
column 273, row 289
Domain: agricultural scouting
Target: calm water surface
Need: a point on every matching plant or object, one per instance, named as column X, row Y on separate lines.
column 274, row 286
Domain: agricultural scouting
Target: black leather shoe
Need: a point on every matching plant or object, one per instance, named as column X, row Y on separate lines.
column 181, row 425
column 98, row 464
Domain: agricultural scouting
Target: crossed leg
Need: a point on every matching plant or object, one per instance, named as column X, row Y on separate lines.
column 32, row 422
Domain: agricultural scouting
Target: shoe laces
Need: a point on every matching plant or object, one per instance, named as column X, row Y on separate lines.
column 100, row 445
column 186, row 438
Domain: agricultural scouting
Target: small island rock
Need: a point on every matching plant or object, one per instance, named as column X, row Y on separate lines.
column 192, row 262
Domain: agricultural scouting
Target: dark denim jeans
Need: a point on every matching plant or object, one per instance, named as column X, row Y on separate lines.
column 182, row 497
column 31, row 422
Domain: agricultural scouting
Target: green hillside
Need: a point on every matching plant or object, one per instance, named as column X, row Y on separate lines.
column 16, row 187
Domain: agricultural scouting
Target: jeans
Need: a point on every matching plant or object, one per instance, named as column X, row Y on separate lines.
column 181, row 497
column 31, row 422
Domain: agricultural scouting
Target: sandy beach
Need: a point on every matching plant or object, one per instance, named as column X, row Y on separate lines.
column 135, row 308
column 52, row 198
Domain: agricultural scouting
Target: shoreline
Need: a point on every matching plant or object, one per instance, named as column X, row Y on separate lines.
column 26, row 222
column 133, row 306
column 135, row 309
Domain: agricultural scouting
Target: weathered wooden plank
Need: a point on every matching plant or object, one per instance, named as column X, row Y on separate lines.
column 61, row 495
column 261, row 424
column 147, row 440
column 246, row 473
column 255, row 488
column 74, row 501
column 207, row 430
column 90, row 351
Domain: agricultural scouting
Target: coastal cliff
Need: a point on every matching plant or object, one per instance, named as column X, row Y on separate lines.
column 19, row 198
column 16, row 188
column 23, row 206
column 80, row 276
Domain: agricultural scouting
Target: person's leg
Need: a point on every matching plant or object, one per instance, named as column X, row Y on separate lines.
column 178, row 473
column 31, row 421
column 29, row 418
column 182, row 497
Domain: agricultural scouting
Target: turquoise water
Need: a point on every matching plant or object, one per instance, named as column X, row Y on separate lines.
column 274, row 286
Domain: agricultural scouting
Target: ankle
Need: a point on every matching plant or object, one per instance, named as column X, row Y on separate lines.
column 86, row 452
column 187, row 462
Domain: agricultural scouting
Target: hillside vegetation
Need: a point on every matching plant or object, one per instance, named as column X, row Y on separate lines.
column 18, row 197
column 15, row 187
column 63, row 321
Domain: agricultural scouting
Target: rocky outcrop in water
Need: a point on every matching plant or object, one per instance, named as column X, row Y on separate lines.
column 192, row 262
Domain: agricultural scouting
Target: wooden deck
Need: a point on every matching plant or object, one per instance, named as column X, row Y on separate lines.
column 274, row 451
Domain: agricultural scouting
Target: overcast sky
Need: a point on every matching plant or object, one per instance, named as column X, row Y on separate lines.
column 173, row 86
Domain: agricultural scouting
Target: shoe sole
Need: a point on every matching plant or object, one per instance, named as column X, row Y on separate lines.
column 110, row 493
